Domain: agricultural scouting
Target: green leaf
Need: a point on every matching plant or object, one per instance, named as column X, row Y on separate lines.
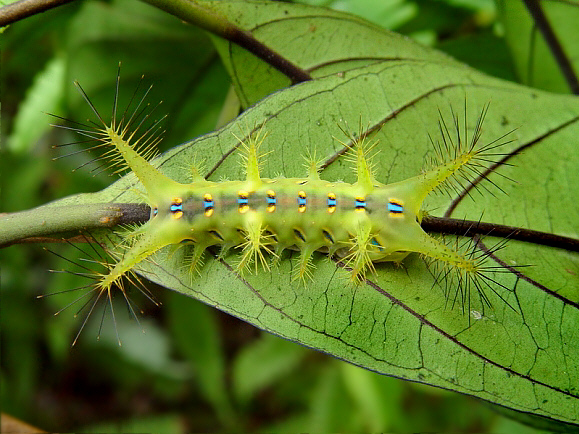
column 197, row 336
column 42, row 97
column 492, row 55
column 388, row 14
column 162, row 424
column 262, row 363
column 398, row 323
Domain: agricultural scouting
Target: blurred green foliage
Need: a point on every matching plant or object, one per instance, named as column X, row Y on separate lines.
column 195, row 369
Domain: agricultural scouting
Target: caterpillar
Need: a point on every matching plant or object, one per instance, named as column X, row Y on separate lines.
column 361, row 224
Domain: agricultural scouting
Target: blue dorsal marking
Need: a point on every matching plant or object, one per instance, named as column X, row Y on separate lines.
column 301, row 201
column 208, row 204
column 243, row 201
column 360, row 203
column 271, row 200
column 395, row 208
column 332, row 202
column 176, row 207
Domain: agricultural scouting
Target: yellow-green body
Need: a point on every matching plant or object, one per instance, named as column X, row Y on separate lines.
column 362, row 223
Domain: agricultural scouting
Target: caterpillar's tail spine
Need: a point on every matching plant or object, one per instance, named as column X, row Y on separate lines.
column 472, row 273
column 95, row 292
column 126, row 143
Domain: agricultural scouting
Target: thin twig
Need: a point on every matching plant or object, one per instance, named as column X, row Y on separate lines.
column 470, row 228
column 203, row 16
column 19, row 10
column 546, row 30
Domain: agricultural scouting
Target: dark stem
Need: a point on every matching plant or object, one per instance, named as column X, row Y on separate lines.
column 551, row 39
column 26, row 8
column 471, row 228
column 197, row 14
column 201, row 15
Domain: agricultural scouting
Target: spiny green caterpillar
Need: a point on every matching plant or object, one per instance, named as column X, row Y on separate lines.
column 361, row 223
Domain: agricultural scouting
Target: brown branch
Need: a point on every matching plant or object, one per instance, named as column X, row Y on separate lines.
column 552, row 41
column 201, row 15
column 469, row 228
column 191, row 12
column 26, row 8
column 9, row 424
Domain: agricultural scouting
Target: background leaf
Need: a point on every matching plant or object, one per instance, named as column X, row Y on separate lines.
column 534, row 61
column 42, row 98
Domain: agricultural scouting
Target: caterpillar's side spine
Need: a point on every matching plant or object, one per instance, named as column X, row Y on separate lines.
column 361, row 223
